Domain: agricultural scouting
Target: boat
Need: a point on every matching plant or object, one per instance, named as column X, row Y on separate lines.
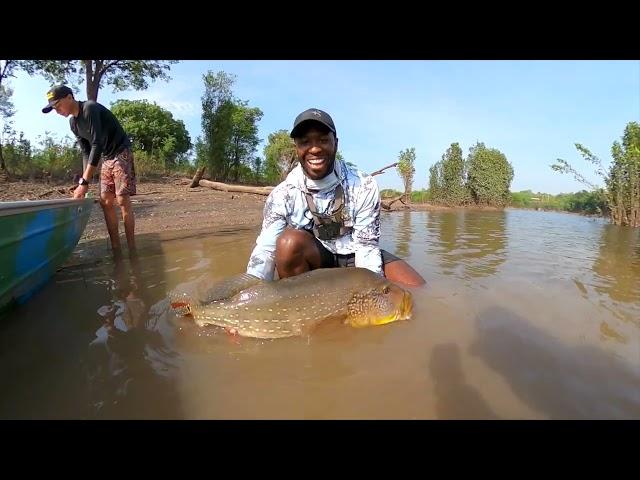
column 36, row 238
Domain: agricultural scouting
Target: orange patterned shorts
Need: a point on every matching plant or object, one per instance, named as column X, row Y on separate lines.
column 118, row 174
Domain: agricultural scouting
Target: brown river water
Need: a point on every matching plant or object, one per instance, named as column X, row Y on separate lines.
column 526, row 315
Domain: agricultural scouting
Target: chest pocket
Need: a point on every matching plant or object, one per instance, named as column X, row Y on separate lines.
column 329, row 226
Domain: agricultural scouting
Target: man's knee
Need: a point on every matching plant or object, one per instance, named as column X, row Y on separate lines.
column 401, row 272
column 291, row 241
column 107, row 200
column 124, row 202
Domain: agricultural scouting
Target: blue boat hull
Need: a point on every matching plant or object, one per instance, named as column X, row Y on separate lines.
column 36, row 237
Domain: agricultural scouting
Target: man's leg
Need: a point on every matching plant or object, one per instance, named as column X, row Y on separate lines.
column 107, row 201
column 124, row 174
column 128, row 218
column 296, row 253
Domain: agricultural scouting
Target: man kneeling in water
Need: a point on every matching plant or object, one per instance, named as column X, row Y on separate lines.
column 324, row 214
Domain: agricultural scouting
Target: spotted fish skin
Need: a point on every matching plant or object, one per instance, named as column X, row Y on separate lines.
column 294, row 306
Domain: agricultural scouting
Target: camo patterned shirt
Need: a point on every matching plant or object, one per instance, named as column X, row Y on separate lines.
column 286, row 206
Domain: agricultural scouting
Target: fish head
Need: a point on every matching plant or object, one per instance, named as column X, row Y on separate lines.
column 383, row 303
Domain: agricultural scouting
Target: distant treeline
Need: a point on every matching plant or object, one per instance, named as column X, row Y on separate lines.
column 584, row 202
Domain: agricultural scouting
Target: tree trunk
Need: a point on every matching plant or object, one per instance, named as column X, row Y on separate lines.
column 93, row 76
column 2, row 165
column 197, row 177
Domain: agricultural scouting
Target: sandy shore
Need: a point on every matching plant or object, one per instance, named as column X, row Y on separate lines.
column 166, row 204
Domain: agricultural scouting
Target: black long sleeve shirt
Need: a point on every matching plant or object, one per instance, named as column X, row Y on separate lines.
column 98, row 132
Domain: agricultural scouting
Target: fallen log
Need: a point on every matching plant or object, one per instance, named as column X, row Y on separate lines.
column 225, row 187
column 387, row 205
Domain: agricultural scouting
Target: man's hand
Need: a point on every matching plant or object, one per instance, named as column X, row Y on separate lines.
column 80, row 191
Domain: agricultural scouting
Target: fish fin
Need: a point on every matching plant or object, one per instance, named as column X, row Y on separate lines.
column 229, row 287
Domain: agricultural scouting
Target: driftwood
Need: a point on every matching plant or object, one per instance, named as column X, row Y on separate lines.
column 387, row 205
column 225, row 187
column 378, row 172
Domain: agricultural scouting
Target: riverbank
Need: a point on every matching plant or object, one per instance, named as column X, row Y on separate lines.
column 167, row 204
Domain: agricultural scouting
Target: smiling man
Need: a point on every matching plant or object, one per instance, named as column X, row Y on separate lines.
column 325, row 214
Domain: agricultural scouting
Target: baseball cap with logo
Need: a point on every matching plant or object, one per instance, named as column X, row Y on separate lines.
column 314, row 114
column 55, row 94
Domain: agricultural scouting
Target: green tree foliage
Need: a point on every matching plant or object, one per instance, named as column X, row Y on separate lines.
column 586, row 202
column 217, row 118
column 435, row 182
column 622, row 179
column 8, row 69
column 447, row 178
column 453, row 176
column 6, row 112
column 154, row 131
column 406, row 169
column 120, row 74
column 489, row 176
column 53, row 159
column 244, row 139
column 279, row 156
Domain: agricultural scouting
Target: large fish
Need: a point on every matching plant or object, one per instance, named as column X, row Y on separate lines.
column 293, row 306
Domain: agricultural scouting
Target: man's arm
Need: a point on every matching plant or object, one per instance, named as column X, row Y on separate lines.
column 95, row 131
column 91, row 151
column 366, row 227
column 262, row 260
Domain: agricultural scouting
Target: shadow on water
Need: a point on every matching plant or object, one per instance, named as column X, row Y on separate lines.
column 456, row 399
column 87, row 345
column 564, row 382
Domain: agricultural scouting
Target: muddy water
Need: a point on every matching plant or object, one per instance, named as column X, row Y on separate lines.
column 526, row 315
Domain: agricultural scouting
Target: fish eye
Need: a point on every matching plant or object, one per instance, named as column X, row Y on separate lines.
column 386, row 289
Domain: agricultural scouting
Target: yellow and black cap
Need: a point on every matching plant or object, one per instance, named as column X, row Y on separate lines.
column 55, row 94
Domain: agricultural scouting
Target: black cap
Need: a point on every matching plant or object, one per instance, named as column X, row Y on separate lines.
column 55, row 94
column 316, row 115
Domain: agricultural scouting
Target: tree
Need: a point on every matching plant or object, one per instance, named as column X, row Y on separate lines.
column 435, row 183
column 244, row 137
column 489, row 176
column 622, row 180
column 217, row 112
column 153, row 129
column 6, row 112
column 453, row 191
column 406, row 169
column 280, row 156
column 8, row 68
column 121, row 74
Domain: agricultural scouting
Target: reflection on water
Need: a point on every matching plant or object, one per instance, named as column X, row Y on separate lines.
column 129, row 358
column 525, row 315
column 405, row 233
column 463, row 244
column 618, row 263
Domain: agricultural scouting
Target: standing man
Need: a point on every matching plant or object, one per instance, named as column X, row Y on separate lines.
column 325, row 214
column 101, row 136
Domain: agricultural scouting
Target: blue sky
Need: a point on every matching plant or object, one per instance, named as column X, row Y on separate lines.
column 532, row 111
